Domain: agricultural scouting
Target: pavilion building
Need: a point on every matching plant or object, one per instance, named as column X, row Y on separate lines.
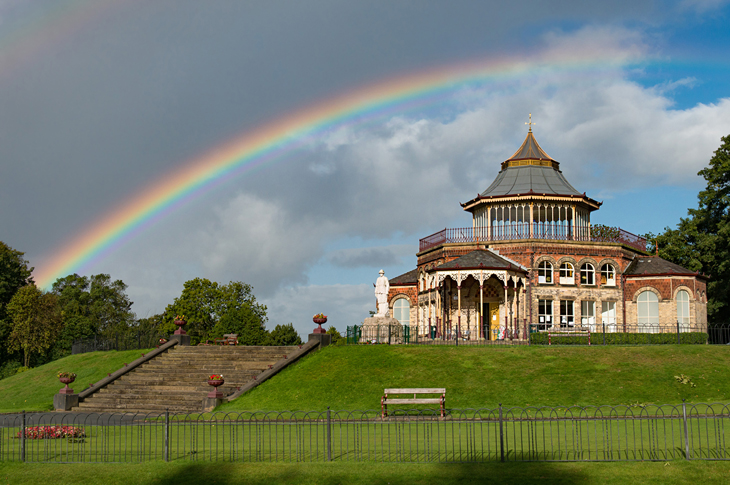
column 532, row 257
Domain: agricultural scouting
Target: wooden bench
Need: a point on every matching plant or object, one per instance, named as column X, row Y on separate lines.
column 441, row 400
column 228, row 339
column 569, row 333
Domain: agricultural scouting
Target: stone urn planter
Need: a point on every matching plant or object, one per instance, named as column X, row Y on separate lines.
column 66, row 379
column 319, row 320
column 215, row 393
column 180, row 321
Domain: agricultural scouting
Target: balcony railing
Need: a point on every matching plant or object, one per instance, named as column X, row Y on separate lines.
column 547, row 231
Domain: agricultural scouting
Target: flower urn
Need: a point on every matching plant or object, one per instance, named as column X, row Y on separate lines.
column 319, row 320
column 215, row 393
column 67, row 381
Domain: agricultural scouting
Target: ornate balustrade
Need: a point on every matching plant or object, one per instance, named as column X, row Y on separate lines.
column 521, row 230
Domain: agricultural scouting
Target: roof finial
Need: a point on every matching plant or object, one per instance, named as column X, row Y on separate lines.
column 530, row 123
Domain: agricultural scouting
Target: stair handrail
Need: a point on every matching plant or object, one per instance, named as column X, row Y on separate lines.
column 127, row 368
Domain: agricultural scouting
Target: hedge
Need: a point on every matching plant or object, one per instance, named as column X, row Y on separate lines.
column 541, row 338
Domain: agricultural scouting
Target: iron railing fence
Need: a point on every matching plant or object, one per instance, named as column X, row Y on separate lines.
column 538, row 230
column 602, row 433
column 120, row 341
column 525, row 333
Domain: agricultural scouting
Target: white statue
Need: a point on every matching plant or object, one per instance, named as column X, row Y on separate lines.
column 382, row 287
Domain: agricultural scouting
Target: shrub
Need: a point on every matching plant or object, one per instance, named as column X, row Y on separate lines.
column 621, row 338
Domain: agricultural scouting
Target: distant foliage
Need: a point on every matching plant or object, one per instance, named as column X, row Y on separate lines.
column 36, row 321
column 335, row 335
column 284, row 335
column 701, row 242
column 605, row 233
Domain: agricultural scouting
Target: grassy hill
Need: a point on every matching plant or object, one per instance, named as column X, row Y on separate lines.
column 33, row 390
column 354, row 377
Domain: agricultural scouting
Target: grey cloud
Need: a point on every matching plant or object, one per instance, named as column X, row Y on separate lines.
column 370, row 257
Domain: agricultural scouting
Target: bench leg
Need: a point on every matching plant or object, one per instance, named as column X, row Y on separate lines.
column 443, row 405
column 383, row 408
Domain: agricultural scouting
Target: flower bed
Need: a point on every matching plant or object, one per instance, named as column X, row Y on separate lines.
column 52, row 432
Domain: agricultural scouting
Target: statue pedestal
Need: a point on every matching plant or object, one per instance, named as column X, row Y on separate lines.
column 382, row 330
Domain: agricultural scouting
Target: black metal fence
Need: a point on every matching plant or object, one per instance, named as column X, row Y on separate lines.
column 539, row 334
column 603, row 433
column 119, row 341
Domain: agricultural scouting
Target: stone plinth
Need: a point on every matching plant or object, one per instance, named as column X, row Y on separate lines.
column 324, row 339
column 210, row 403
column 183, row 339
column 383, row 330
column 64, row 402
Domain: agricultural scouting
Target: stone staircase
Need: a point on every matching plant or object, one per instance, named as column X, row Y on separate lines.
column 177, row 379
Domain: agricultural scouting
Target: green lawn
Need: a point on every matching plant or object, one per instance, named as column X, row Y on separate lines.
column 181, row 473
column 33, row 390
column 353, row 377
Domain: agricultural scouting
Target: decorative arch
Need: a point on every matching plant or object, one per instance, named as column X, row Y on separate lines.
column 549, row 259
column 646, row 288
column 612, row 262
column 685, row 288
column 400, row 295
column 567, row 259
column 588, row 260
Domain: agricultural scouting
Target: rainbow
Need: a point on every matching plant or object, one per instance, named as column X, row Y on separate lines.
column 272, row 141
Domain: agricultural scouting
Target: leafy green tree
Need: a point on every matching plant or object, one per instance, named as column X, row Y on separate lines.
column 14, row 274
column 335, row 335
column 246, row 324
column 701, row 242
column 36, row 321
column 90, row 306
column 284, row 335
column 203, row 303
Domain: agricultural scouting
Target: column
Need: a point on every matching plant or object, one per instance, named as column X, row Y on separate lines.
column 489, row 223
column 516, row 322
column 458, row 319
column 480, row 332
column 506, row 309
column 573, row 210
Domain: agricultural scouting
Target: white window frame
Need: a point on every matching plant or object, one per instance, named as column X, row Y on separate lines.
column 398, row 309
column 567, row 274
column 567, row 313
column 682, row 307
column 587, row 274
column 544, row 314
column 608, row 315
column 647, row 311
column 545, row 273
column 608, row 275
column 588, row 314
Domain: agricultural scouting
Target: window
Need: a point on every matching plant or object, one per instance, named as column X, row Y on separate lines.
column 545, row 272
column 682, row 306
column 587, row 274
column 588, row 314
column 402, row 311
column 566, row 313
column 566, row 274
column 545, row 314
column 608, row 275
column 608, row 315
column 647, row 311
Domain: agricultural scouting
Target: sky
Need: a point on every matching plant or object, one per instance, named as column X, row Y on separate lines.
column 381, row 117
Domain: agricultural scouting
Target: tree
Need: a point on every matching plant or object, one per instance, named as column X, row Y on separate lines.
column 14, row 274
column 285, row 335
column 701, row 242
column 203, row 303
column 335, row 335
column 246, row 324
column 90, row 306
column 36, row 321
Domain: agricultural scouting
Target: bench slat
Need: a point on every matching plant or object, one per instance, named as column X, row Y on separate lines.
column 413, row 401
column 416, row 391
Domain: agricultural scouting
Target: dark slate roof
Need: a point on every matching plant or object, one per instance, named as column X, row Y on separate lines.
column 477, row 259
column 522, row 180
column 410, row 278
column 654, row 265
column 530, row 150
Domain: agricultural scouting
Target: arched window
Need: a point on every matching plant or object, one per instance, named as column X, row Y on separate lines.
column 545, row 272
column 402, row 311
column 587, row 274
column 608, row 275
column 682, row 306
column 647, row 309
column 566, row 274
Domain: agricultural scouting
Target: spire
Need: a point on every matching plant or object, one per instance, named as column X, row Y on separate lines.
column 530, row 149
